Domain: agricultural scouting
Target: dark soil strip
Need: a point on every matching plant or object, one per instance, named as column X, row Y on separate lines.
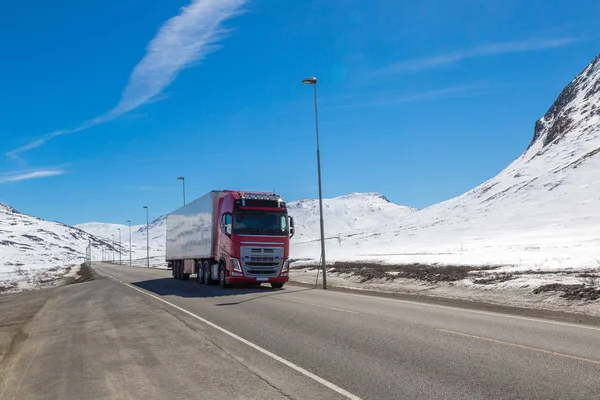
column 422, row 272
column 571, row 292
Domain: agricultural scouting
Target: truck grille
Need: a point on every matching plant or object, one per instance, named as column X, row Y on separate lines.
column 262, row 272
column 265, row 261
column 261, row 264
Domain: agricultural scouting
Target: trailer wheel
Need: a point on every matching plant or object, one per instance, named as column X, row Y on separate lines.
column 206, row 272
column 222, row 281
column 176, row 270
column 276, row 285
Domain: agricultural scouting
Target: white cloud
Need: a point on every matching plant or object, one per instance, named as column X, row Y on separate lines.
column 388, row 100
column 421, row 64
column 25, row 175
column 180, row 41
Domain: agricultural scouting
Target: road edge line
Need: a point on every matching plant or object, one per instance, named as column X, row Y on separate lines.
column 264, row 351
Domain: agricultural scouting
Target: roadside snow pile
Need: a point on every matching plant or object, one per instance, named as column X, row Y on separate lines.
column 542, row 212
column 34, row 252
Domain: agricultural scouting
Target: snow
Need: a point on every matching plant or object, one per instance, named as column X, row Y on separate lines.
column 34, row 252
column 542, row 212
column 345, row 215
column 157, row 239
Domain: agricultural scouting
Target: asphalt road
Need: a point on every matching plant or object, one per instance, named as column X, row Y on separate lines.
column 150, row 336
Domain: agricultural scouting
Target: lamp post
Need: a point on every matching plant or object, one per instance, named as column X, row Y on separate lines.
column 147, row 240
column 313, row 82
column 182, row 179
column 120, row 259
column 129, row 222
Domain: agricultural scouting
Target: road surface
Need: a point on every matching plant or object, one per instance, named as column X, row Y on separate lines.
column 144, row 335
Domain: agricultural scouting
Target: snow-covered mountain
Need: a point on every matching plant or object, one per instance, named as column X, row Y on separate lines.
column 352, row 213
column 105, row 230
column 542, row 211
column 157, row 229
column 34, row 251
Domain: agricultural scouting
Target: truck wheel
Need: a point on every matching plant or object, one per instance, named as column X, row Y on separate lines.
column 276, row 285
column 200, row 274
column 206, row 270
column 176, row 271
column 222, row 281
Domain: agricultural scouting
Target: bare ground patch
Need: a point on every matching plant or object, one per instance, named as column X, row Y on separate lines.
column 588, row 289
column 571, row 292
column 423, row 272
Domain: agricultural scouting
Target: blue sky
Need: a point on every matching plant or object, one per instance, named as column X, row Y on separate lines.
column 105, row 104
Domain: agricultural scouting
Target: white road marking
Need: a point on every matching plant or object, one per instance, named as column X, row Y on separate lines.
column 266, row 352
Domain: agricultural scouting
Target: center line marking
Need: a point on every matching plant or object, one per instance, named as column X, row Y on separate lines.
column 521, row 346
column 318, row 305
column 266, row 352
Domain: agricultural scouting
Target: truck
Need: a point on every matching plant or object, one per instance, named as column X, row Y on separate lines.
column 231, row 236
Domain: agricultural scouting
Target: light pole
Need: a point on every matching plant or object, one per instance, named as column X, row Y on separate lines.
column 113, row 248
column 182, row 179
column 120, row 259
column 313, row 81
column 147, row 240
column 129, row 222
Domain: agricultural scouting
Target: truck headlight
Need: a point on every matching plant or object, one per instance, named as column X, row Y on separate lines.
column 286, row 266
column 236, row 265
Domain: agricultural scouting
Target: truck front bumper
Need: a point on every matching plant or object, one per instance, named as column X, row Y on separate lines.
column 252, row 279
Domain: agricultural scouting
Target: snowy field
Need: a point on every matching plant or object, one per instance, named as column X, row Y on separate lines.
column 35, row 253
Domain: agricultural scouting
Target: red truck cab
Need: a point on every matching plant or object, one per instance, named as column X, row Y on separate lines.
column 253, row 239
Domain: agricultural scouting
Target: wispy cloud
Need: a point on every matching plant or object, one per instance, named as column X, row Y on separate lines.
column 387, row 99
column 16, row 176
column 180, row 42
column 440, row 60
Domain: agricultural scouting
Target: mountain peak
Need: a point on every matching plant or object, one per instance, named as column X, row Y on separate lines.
column 366, row 195
column 574, row 108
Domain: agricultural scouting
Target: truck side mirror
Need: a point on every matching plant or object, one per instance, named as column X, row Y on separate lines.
column 292, row 229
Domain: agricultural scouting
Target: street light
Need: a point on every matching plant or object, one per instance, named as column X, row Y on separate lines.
column 147, row 240
column 313, row 81
column 129, row 222
column 182, row 179
column 120, row 260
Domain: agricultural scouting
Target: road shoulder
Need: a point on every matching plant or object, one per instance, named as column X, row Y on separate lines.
column 102, row 340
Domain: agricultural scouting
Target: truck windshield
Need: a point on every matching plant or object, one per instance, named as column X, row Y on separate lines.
column 260, row 223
